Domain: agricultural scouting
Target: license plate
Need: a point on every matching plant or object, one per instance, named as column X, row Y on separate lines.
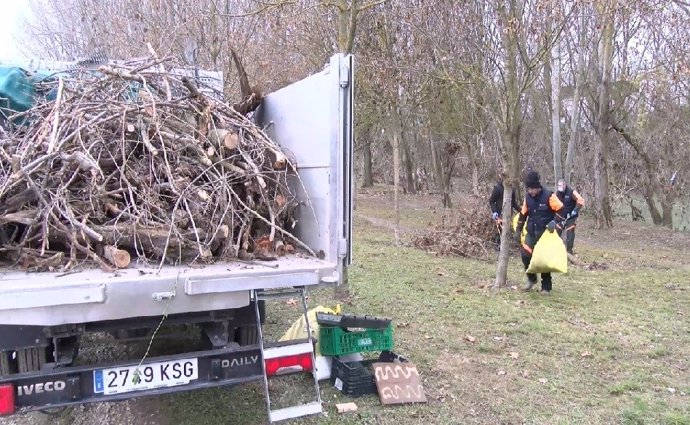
column 120, row 380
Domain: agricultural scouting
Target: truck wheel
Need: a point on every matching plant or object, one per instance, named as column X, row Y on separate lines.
column 247, row 335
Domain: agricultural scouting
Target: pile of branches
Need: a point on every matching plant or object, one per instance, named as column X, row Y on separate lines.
column 134, row 160
column 466, row 231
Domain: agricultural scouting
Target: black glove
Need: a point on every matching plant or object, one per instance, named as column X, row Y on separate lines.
column 551, row 226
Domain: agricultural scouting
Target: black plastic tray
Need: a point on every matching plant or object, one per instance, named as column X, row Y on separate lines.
column 352, row 321
column 354, row 379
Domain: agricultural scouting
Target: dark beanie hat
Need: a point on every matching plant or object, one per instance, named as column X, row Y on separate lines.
column 532, row 180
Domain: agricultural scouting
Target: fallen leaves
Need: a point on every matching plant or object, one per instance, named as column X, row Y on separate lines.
column 470, row 338
column 514, row 355
column 586, row 354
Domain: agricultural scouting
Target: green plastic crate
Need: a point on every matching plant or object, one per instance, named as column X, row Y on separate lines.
column 336, row 341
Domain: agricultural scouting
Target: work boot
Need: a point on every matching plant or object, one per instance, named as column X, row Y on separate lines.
column 529, row 284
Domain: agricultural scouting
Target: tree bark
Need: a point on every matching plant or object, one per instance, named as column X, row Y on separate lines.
column 602, row 203
column 408, row 164
column 575, row 132
column 396, row 179
column 474, row 162
column 368, row 164
column 510, row 140
column 447, row 167
column 435, row 163
column 556, row 112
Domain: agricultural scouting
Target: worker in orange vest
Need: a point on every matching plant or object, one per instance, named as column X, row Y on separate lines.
column 573, row 202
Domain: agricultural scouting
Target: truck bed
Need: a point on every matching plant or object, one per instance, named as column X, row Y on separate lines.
column 51, row 299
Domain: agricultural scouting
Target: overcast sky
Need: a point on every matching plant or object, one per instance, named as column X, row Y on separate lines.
column 13, row 12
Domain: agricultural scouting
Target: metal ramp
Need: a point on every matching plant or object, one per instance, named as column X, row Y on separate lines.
column 289, row 357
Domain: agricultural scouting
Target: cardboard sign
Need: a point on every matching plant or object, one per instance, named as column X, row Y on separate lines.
column 398, row 383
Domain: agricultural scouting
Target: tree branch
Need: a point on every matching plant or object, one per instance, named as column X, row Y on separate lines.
column 370, row 5
column 266, row 7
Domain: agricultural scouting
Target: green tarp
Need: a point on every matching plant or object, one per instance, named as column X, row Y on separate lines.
column 17, row 90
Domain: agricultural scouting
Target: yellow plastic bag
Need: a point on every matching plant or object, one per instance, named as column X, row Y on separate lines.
column 516, row 217
column 549, row 255
column 298, row 330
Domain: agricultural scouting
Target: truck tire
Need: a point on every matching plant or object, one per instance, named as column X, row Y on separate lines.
column 247, row 335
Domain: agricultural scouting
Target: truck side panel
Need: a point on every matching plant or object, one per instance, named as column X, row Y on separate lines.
column 300, row 118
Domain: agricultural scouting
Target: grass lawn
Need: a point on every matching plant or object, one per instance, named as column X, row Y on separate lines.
column 609, row 346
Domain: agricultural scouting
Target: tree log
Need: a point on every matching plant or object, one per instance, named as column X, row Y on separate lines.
column 226, row 138
column 117, row 257
column 27, row 217
column 280, row 162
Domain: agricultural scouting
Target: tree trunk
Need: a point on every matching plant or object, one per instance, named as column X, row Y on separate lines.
column 556, row 112
column 347, row 19
column 667, row 211
column 408, row 165
column 449, row 154
column 368, row 164
column 474, row 160
column 651, row 203
column 575, row 132
column 396, row 180
column 509, row 160
column 435, row 163
column 510, row 142
column 447, row 201
column 475, row 178
column 602, row 203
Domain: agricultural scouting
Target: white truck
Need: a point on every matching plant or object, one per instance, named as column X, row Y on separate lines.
column 43, row 316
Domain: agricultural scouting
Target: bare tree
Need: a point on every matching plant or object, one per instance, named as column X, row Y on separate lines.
column 602, row 204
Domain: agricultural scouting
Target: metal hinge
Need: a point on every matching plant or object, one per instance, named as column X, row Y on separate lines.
column 342, row 247
column 344, row 76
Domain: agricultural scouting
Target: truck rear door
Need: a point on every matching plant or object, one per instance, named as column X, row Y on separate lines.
column 312, row 120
